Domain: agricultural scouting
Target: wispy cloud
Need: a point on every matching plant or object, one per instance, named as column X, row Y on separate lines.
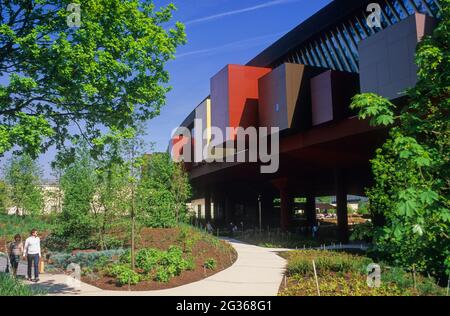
column 246, row 43
column 239, row 11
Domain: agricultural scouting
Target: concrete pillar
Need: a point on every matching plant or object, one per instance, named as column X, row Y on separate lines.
column 286, row 202
column 341, row 201
column 267, row 211
column 310, row 209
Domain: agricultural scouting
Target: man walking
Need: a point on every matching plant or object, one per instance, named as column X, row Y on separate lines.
column 32, row 251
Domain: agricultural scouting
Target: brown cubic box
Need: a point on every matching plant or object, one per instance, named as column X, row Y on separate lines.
column 331, row 94
column 387, row 65
column 285, row 97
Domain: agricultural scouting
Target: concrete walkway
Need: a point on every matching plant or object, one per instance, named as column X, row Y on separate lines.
column 258, row 271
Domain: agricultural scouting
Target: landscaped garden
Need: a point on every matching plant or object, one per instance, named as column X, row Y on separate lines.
column 165, row 257
column 344, row 274
column 123, row 221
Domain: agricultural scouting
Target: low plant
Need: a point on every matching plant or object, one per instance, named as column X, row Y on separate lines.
column 300, row 262
column 162, row 265
column 93, row 260
column 340, row 273
column 332, row 284
column 10, row 286
column 210, row 264
column 363, row 231
column 147, row 259
column 123, row 274
column 162, row 275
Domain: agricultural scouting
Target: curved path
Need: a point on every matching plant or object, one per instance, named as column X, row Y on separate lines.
column 258, row 271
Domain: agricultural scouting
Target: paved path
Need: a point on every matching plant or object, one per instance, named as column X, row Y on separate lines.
column 257, row 272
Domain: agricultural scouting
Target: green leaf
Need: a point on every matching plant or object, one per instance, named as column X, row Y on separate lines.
column 428, row 197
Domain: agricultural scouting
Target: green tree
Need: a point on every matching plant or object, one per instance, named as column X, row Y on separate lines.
column 109, row 210
column 23, row 177
column 411, row 169
column 76, row 223
column 109, row 72
column 3, row 197
column 120, row 169
column 163, row 192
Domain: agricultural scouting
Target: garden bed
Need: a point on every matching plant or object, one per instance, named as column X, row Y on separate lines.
column 343, row 274
column 175, row 256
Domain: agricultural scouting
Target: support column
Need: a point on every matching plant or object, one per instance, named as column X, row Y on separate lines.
column 286, row 203
column 267, row 211
column 341, row 201
column 310, row 209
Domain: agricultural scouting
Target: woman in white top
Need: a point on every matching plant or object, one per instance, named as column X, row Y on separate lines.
column 32, row 251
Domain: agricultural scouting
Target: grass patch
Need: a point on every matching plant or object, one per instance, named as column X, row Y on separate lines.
column 12, row 224
column 10, row 286
column 344, row 274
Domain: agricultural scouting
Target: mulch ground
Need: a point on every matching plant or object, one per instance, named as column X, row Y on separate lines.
column 161, row 238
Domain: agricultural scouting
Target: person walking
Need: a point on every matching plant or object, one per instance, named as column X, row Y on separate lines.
column 32, row 251
column 15, row 251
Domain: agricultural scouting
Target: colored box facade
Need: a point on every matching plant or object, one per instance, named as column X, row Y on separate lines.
column 331, row 94
column 387, row 64
column 285, row 97
column 234, row 97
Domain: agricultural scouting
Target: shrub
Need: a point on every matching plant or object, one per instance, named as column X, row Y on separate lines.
column 110, row 242
column 162, row 275
column 190, row 264
column 97, row 259
column 125, row 257
column 210, row 264
column 162, row 265
column 123, row 274
column 147, row 259
column 54, row 243
column 362, row 231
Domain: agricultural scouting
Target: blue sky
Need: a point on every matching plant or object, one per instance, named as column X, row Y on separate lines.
column 219, row 32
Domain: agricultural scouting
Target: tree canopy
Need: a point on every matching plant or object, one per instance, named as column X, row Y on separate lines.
column 65, row 82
